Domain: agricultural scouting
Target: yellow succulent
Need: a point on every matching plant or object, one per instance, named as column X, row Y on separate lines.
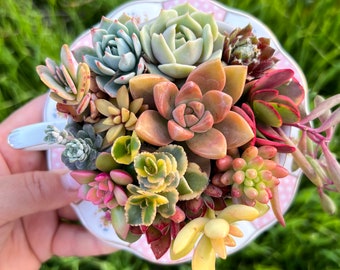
column 213, row 233
column 120, row 115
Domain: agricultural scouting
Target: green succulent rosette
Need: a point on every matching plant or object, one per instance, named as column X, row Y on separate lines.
column 179, row 39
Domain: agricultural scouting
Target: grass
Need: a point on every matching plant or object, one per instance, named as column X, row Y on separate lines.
column 309, row 30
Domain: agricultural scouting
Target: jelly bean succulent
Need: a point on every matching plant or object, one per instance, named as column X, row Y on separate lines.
column 179, row 127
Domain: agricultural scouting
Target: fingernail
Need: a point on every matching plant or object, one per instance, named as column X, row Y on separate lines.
column 69, row 183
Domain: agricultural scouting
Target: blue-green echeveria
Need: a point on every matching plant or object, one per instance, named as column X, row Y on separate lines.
column 179, row 39
column 116, row 54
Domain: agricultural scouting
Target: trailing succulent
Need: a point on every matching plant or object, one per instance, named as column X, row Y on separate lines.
column 177, row 127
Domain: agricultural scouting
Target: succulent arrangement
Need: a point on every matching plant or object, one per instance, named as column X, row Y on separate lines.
column 176, row 128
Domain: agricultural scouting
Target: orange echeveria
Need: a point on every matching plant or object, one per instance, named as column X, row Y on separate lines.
column 195, row 114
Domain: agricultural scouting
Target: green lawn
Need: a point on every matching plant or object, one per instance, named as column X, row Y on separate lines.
column 309, row 30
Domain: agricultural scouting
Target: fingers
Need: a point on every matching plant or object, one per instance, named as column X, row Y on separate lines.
column 31, row 192
column 67, row 213
column 18, row 161
column 30, row 113
column 79, row 242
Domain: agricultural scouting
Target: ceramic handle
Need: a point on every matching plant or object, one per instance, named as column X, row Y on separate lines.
column 31, row 137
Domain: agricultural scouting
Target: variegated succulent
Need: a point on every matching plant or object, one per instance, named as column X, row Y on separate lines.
column 116, row 54
column 198, row 113
column 164, row 177
column 69, row 83
column 103, row 192
column 179, row 39
column 126, row 148
column 82, row 145
column 158, row 175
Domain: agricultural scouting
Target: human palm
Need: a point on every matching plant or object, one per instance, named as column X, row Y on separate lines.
column 34, row 204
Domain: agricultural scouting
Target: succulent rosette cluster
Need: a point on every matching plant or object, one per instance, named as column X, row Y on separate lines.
column 177, row 129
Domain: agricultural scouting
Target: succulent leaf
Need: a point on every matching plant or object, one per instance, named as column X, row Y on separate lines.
column 218, row 104
column 142, row 86
column 193, row 183
column 209, row 76
column 125, row 149
column 235, row 81
column 152, row 127
column 211, row 144
column 267, row 113
column 69, row 83
column 235, row 129
column 119, row 222
column 105, row 162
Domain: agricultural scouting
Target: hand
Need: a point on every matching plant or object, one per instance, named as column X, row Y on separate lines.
column 33, row 203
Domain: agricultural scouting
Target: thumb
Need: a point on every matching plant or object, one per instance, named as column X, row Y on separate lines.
column 26, row 193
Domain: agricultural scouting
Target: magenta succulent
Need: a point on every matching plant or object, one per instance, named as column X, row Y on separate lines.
column 100, row 189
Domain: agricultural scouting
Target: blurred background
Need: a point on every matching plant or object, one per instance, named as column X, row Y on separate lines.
column 308, row 30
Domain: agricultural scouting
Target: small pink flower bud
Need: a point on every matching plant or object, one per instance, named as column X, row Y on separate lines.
column 263, row 196
column 236, row 191
column 194, row 205
column 248, row 183
column 226, row 178
column 269, row 164
column 280, row 171
column 260, row 186
column 266, row 175
column 216, row 180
